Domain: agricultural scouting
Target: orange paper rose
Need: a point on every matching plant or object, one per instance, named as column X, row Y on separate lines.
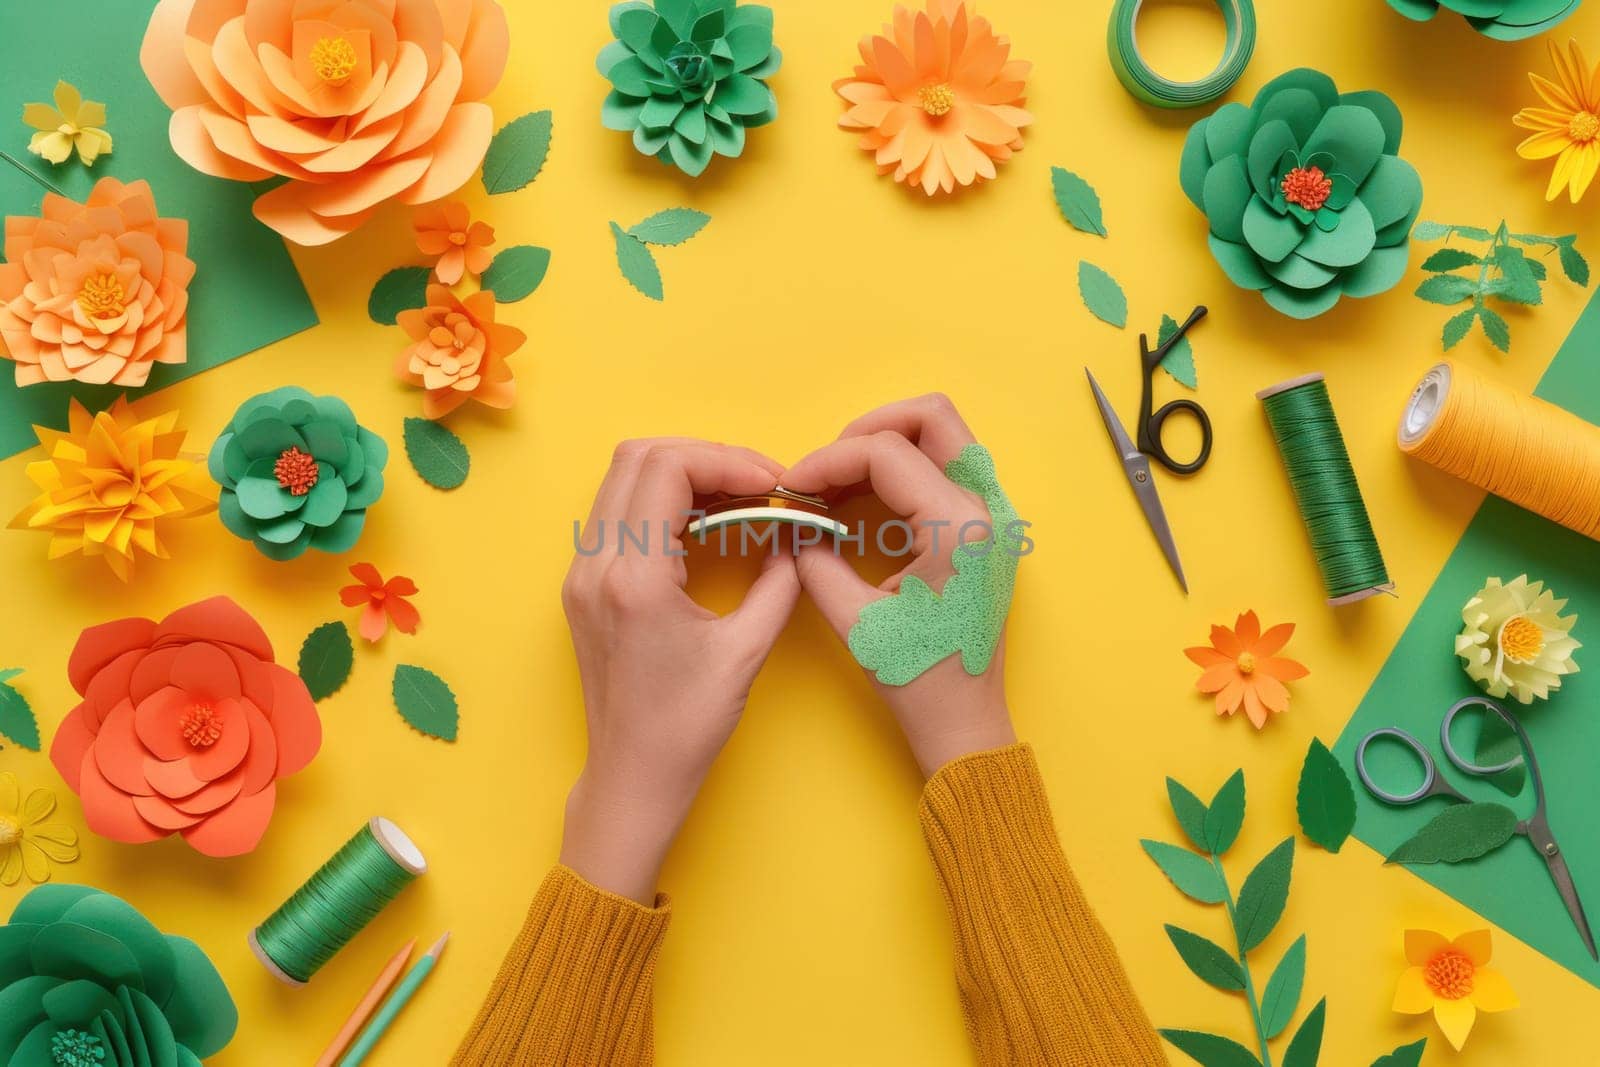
column 354, row 101
column 185, row 727
column 95, row 292
column 458, row 352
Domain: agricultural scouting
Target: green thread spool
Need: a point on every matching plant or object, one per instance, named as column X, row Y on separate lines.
column 1325, row 489
column 337, row 902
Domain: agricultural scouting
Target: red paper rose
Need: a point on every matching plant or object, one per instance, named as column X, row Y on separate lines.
column 185, row 727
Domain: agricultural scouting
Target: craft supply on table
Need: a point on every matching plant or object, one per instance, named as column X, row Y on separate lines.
column 395, row 1004
column 369, row 1003
column 1325, row 489
column 337, row 902
column 780, row 505
column 1137, row 76
column 1527, row 450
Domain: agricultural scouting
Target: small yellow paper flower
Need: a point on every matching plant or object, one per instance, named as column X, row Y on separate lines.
column 1516, row 641
column 1453, row 979
column 27, row 842
column 1569, row 126
column 73, row 123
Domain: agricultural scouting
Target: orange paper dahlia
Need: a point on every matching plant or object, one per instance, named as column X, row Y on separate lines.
column 95, row 292
column 936, row 97
column 458, row 352
column 1242, row 666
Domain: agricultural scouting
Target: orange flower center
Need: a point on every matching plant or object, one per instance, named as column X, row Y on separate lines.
column 334, row 59
column 10, row 830
column 1583, row 127
column 102, row 296
column 936, row 100
column 1307, row 187
column 1246, row 662
column 201, row 726
column 458, row 239
column 296, row 471
column 1449, row 974
column 1521, row 639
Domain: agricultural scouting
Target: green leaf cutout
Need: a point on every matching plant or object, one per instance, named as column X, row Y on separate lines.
column 1432, row 231
column 400, row 290
column 1445, row 289
column 1265, row 891
column 1457, row 326
column 1190, row 810
column 637, row 264
column 1404, row 1056
column 517, row 153
column 16, row 715
column 1079, row 203
column 516, row 272
column 439, row 457
column 1283, row 989
column 1325, row 800
column 1226, row 814
column 1497, row 744
column 325, row 659
column 1573, row 265
column 1450, row 259
column 1102, row 295
column 673, row 226
column 1210, row 1050
column 1194, row 875
column 1460, row 832
column 425, row 701
column 1521, row 287
column 1209, row 961
column 1306, row 1045
column 1495, row 328
column 1179, row 360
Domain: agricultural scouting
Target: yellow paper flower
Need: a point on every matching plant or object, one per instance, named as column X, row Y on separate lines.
column 1453, row 979
column 1516, row 641
column 73, row 123
column 111, row 483
column 1567, row 129
column 27, row 842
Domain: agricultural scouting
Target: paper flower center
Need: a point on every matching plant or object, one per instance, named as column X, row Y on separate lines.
column 1449, row 974
column 10, row 830
column 1583, row 127
column 295, row 470
column 74, row 1048
column 1246, row 662
column 458, row 239
column 690, row 66
column 201, row 726
column 1521, row 639
column 1307, row 187
column 936, row 100
column 334, row 59
column 102, row 296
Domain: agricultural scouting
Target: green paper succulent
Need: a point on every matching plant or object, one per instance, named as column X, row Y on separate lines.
column 688, row 76
column 1305, row 195
column 86, row 981
column 297, row 472
column 1503, row 20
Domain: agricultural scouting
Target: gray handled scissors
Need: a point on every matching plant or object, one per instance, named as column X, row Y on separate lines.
column 1536, row 828
column 1136, row 466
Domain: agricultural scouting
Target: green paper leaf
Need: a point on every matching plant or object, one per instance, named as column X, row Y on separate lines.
column 1079, row 203
column 425, row 701
column 1450, row 259
column 1404, row 1056
column 1457, row 326
column 1445, row 289
column 1190, row 810
column 1193, row 874
column 1179, row 360
column 516, row 272
column 400, row 290
column 1460, row 832
column 1266, row 890
column 1495, row 328
column 1306, row 1045
column 325, row 659
column 1430, row 231
column 1102, row 295
column 1283, row 989
column 1497, row 744
column 637, row 264
column 1209, row 961
column 517, row 153
column 1226, row 814
column 1325, row 801
column 673, row 226
column 16, row 716
column 1573, row 265
column 439, row 457
column 1210, row 1050
column 1520, row 287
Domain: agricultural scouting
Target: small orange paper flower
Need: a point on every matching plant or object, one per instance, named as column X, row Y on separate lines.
column 458, row 352
column 1453, row 979
column 1242, row 667
column 936, row 97
column 1569, row 126
column 386, row 601
column 448, row 232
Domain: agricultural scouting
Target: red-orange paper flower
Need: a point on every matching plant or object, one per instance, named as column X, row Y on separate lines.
column 458, row 352
column 460, row 246
column 1242, row 667
column 937, row 98
column 385, row 601
column 185, row 726
column 95, row 292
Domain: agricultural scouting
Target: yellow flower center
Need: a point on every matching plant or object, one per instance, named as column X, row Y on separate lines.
column 1521, row 639
column 202, row 726
column 10, row 830
column 334, row 59
column 1246, row 662
column 1449, row 974
column 1583, row 127
column 102, row 296
column 936, row 100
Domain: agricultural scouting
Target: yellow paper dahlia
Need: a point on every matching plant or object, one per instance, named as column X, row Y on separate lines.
column 1516, row 640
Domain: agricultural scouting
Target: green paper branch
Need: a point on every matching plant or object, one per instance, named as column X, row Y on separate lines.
column 665, row 228
column 1504, row 272
column 17, row 721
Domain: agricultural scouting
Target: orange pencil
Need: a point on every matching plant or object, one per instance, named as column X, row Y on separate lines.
column 369, row 1003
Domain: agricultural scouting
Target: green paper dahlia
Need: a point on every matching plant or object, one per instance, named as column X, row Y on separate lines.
column 1503, row 20
column 86, row 981
column 1305, row 195
column 688, row 77
column 297, row 472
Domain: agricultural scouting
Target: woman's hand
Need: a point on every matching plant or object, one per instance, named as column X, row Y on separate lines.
column 664, row 679
column 900, row 452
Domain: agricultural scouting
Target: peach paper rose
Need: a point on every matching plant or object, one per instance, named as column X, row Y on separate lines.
column 458, row 352
column 354, row 101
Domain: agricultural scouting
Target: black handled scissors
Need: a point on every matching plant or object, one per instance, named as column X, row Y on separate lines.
column 1536, row 828
column 1151, row 423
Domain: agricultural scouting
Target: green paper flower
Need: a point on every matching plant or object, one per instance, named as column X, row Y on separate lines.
column 86, row 981
column 1305, row 195
column 1503, row 20
column 688, row 76
column 296, row 473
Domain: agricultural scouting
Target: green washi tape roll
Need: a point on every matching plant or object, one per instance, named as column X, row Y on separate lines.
column 1239, row 16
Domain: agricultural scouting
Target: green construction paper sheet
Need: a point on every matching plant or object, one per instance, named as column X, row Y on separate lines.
column 1510, row 886
column 245, row 294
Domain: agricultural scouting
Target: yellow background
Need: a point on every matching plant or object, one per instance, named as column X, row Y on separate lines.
column 808, row 929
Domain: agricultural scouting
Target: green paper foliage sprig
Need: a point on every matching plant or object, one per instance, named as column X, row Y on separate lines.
column 665, row 228
column 17, row 721
column 1504, row 272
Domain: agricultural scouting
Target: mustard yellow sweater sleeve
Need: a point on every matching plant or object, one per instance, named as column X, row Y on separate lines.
column 1040, row 981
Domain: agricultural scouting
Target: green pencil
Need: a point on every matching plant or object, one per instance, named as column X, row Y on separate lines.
column 394, row 1005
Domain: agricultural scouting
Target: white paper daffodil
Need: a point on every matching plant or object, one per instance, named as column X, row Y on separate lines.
column 1516, row 641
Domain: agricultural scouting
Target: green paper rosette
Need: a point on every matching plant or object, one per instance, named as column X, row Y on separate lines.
column 1503, row 20
column 1306, row 196
column 86, row 981
column 688, row 77
column 297, row 472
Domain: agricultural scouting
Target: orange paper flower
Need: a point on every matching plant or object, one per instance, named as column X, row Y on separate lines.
column 354, row 101
column 447, row 232
column 1243, row 668
column 458, row 352
column 385, row 601
column 95, row 292
column 936, row 97
column 1452, row 979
